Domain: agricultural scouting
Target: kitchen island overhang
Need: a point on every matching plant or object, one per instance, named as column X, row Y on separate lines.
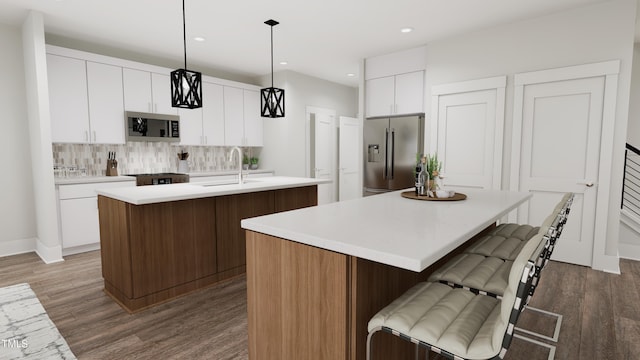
column 160, row 242
column 390, row 229
column 315, row 276
column 187, row 191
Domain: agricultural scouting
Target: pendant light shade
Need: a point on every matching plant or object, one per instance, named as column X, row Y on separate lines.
column 186, row 89
column 271, row 98
column 186, row 85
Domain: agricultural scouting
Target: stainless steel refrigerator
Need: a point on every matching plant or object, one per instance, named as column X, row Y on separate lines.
column 390, row 149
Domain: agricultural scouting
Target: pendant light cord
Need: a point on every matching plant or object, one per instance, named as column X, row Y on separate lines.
column 184, row 36
column 271, row 55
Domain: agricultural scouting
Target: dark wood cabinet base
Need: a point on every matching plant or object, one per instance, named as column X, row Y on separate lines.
column 156, row 252
column 308, row 303
column 145, row 302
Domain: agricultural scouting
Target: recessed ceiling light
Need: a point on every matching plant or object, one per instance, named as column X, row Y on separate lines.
column 198, row 38
column 283, row 63
column 351, row 74
column 406, row 30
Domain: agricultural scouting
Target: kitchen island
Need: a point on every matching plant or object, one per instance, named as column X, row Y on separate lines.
column 160, row 242
column 315, row 276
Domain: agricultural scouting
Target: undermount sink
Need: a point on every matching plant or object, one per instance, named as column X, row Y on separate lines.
column 223, row 182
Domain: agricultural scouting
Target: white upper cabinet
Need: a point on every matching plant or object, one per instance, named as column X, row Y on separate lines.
column 85, row 101
column 90, row 93
column 380, row 96
column 409, row 93
column 191, row 126
column 161, row 94
column 149, row 92
column 233, row 116
column 242, row 121
column 68, row 101
column 106, row 106
column 252, row 120
column 212, row 114
column 137, row 90
column 204, row 126
column 395, row 95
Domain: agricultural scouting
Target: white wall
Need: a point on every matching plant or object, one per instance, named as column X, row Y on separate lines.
column 17, row 213
column 629, row 246
column 633, row 133
column 48, row 244
column 594, row 33
column 285, row 139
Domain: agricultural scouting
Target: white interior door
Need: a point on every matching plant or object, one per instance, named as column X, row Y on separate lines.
column 323, row 152
column 560, row 152
column 467, row 132
column 350, row 185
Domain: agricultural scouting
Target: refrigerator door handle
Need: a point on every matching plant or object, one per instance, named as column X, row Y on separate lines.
column 385, row 173
column 393, row 151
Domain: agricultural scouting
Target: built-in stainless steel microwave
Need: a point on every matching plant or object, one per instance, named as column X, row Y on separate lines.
column 152, row 127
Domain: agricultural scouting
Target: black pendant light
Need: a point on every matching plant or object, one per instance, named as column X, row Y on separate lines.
column 186, row 85
column 272, row 99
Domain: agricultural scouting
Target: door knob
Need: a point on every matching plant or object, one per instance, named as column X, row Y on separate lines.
column 586, row 183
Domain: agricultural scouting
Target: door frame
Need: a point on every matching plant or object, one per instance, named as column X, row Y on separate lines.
column 498, row 84
column 309, row 143
column 609, row 70
column 360, row 167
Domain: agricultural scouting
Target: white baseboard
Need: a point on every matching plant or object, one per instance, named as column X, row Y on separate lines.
column 80, row 249
column 629, row 241
column 629, row 251
column 18, row 246
column 49, row 254
column 607, row 263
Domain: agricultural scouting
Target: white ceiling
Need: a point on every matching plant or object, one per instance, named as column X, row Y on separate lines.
column 322, row 38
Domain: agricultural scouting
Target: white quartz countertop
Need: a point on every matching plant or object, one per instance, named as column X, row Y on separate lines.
column 390, row 229
column 140, row 195
column 229, row 172
column 98, row 179
column 92, row 179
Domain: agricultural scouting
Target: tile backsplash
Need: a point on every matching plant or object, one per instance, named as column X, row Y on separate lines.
column 141, row 157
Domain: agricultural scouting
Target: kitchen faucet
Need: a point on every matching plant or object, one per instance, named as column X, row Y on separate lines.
column 240, row 179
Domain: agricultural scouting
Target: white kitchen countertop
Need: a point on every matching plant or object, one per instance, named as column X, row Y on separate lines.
column 140, row 195
column 390, row 229
column 98, row 179
column 91, row 179
column 229, row 172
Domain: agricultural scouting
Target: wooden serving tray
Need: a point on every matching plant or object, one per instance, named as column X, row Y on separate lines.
column 412, row 195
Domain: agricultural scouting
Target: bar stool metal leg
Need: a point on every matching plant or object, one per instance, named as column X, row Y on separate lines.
column 369, row 341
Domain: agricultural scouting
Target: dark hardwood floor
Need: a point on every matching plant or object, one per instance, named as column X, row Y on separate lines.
column 209, row 324
column 601, row 313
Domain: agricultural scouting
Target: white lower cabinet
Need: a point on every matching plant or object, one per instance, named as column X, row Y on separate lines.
column 78, row 215
column 79, row 220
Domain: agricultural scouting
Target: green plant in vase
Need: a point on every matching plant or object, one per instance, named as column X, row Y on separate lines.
column 433, row 168
column 245, row 162
column 254, row 162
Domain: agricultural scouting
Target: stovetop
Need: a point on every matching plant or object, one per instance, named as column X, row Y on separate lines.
column 156, row 174
column 160, row 178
